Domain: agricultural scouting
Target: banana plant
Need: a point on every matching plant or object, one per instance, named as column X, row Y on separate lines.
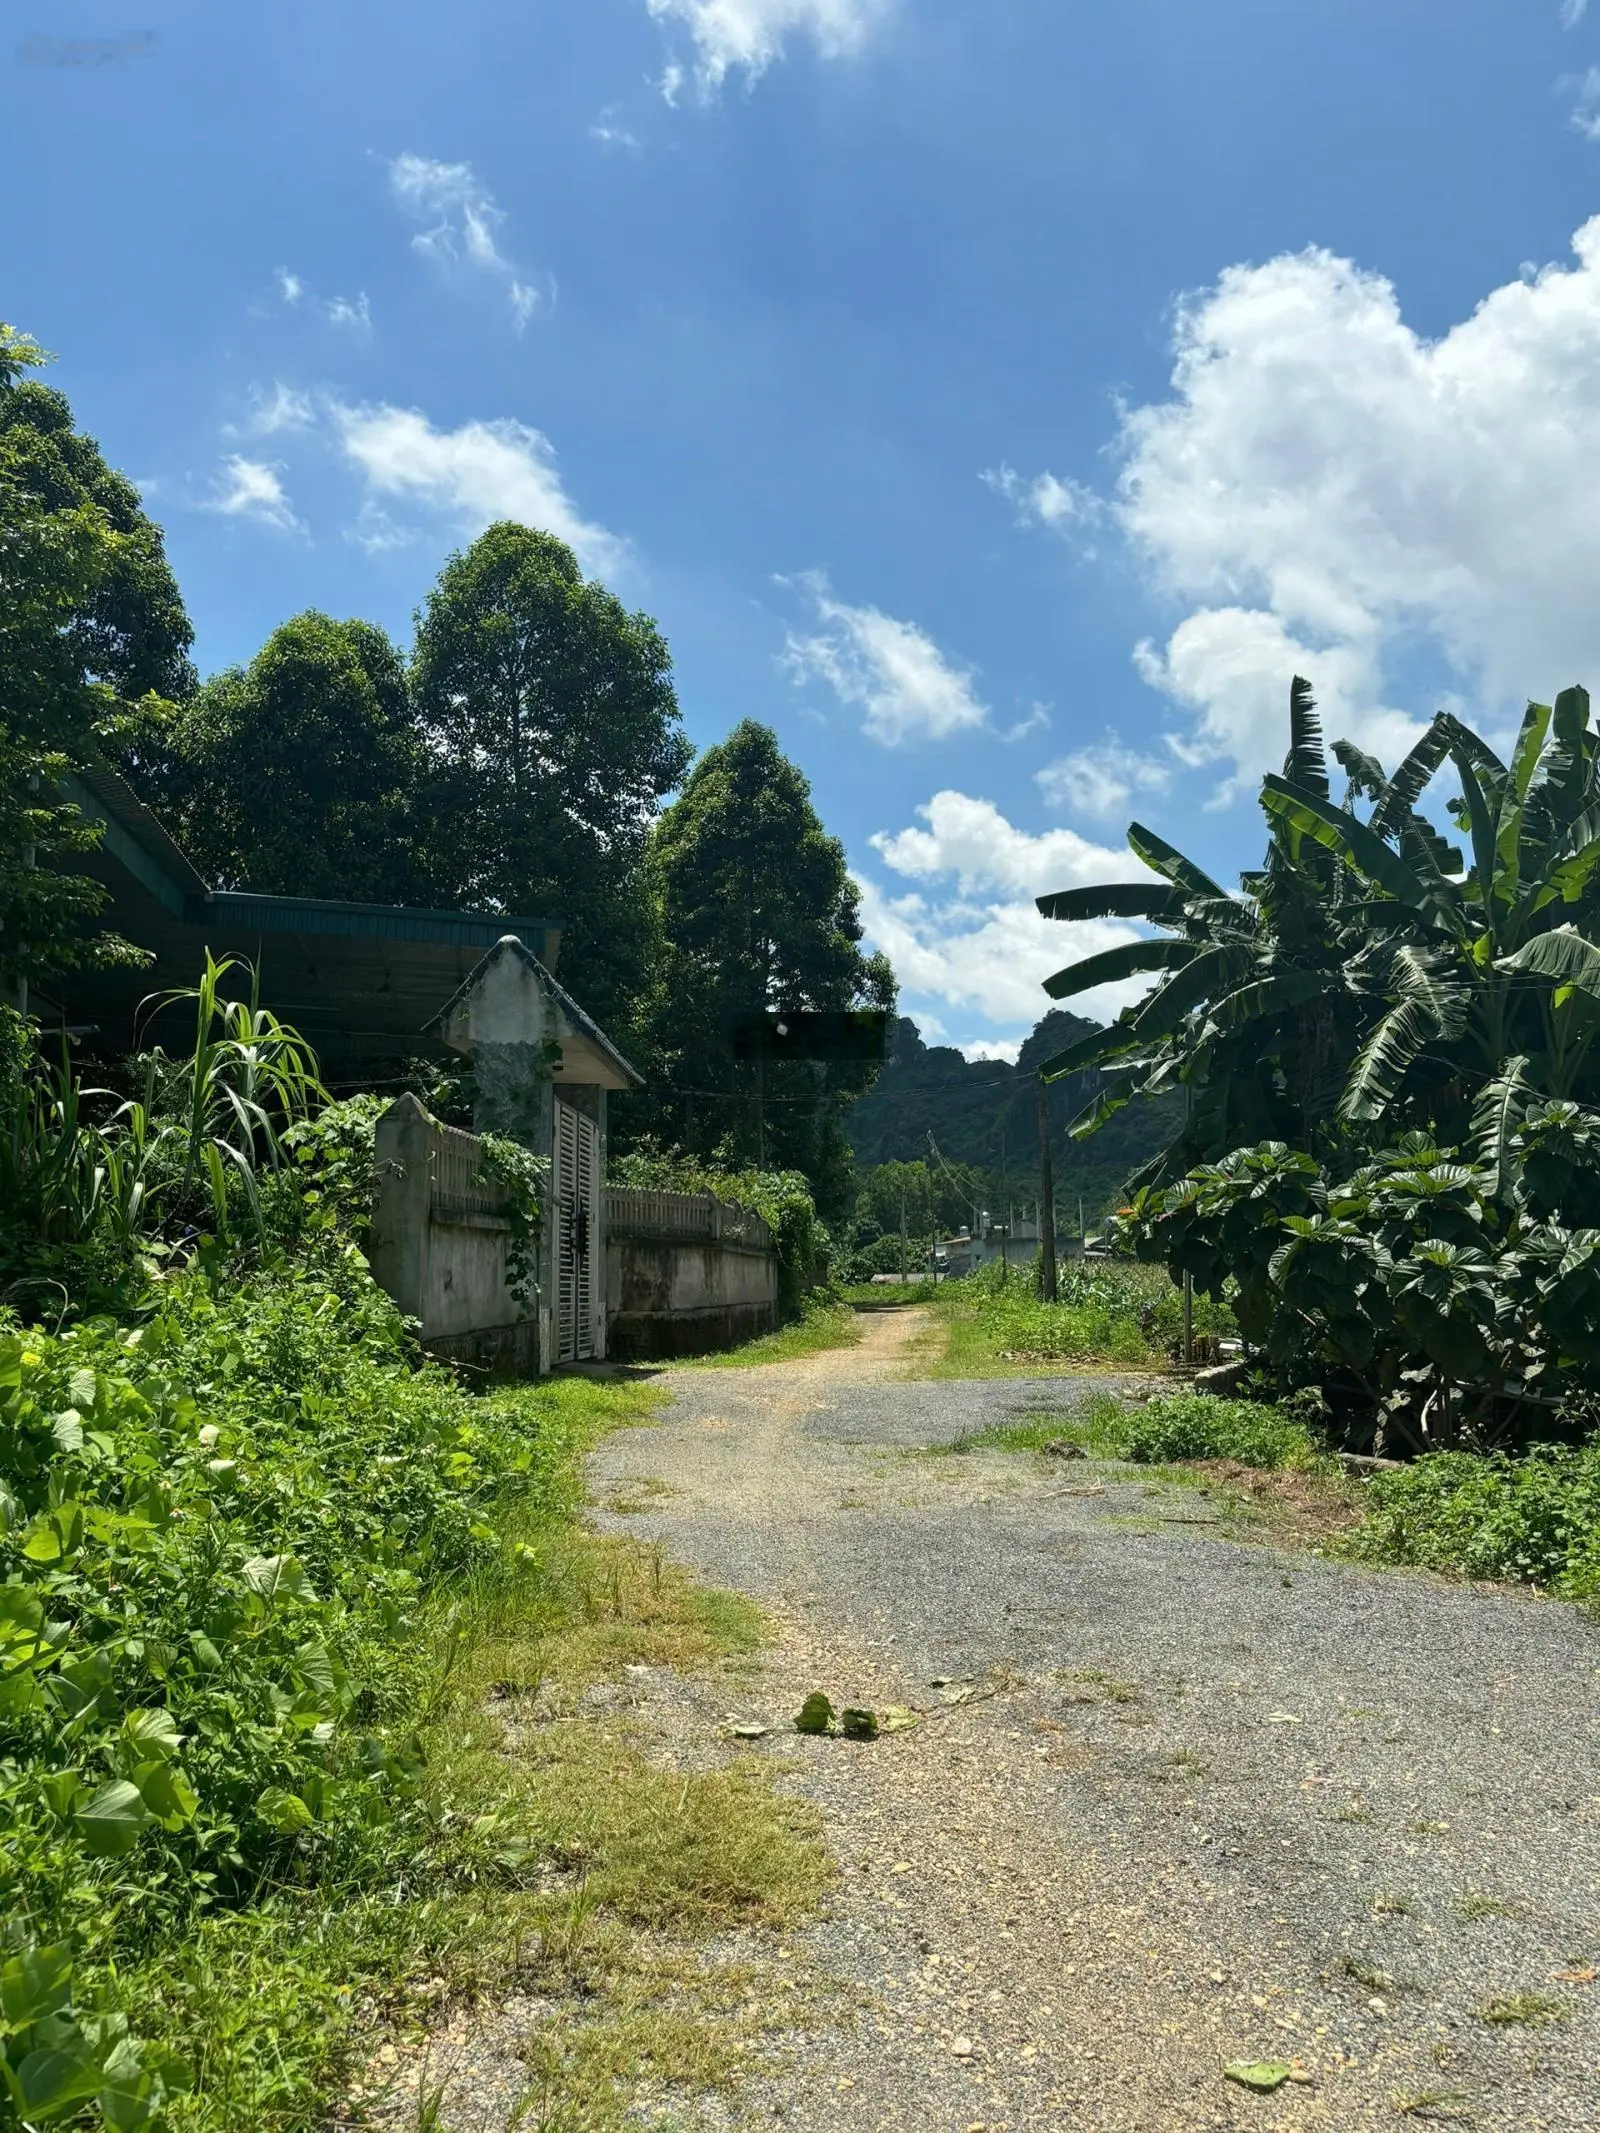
column 1366, row 976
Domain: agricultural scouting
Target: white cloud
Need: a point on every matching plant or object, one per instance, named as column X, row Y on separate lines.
column 351, row 316
column 282, row 409
column 1573, row 12
column 376, row 532
column 1586, row 101
column 971, row 841
column 1046, row 500
column 476, row 474
column 1102, row 781
column 993, row 1048
column 893, row 671
column 249, row 488
column 970, row 936
column 1326, row 490
column 463, row 221
column 610, row 134
column 749, row 35
column 290, row 286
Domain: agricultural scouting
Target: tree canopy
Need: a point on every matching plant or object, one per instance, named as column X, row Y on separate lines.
column 299, row 773
column 90, row 625
column 759, row 914
column 553, row 734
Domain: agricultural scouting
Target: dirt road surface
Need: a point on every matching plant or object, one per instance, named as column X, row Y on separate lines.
column 1205, row 1800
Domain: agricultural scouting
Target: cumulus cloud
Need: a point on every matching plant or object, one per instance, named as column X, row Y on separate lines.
column 968, row 935
column 463, row 222
column 1325, row 489
column 290, row 286
column 475, row 474
column 249, row 488
column 750, row 35
column 1103, row 781
column 892, row 671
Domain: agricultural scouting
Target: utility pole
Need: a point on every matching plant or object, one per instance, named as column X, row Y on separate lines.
column 1047, row 1195
column 904, row 1246
column 1005, row 1238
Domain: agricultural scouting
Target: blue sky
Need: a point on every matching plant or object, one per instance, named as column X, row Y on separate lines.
column 1001, row 400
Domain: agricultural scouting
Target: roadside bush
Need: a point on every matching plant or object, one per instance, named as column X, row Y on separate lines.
column 1109, row 1310
column 1196, row 1425
column 219, row 1530
column 1535, row 1520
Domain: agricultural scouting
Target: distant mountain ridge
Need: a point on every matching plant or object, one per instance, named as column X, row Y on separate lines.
column 982, row 1112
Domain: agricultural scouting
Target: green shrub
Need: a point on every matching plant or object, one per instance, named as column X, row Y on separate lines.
column 1197, row 1425
column 1534, row 1520
column 220, row 1534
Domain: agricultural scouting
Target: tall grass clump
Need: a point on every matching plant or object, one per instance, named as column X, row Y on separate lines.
column 1111, row 1311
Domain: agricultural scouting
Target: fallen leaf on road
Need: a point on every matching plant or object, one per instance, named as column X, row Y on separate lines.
column 895, row 1718
column 749, row 1732
column 1262, row 2075
column 816, row 1714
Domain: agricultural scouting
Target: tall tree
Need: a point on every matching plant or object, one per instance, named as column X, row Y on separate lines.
column 299, row 774
column 91, row 630
column 760, row 915
column 553, row 731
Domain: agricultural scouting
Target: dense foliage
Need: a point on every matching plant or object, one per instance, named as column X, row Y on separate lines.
column 91, row 631
column 759, row 916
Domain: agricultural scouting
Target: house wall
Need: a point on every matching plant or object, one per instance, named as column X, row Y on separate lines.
column 685, row 1275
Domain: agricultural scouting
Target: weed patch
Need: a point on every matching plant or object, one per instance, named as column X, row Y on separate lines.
column 822, row 1326
column 1531, row 1521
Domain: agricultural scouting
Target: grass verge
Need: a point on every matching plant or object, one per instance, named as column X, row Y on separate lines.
column 824, row 1325
column 1177, row 1428
column 1531, row 1521
column 1111, row 1315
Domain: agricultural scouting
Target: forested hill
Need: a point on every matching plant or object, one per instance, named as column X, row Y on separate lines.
column 982, row 1112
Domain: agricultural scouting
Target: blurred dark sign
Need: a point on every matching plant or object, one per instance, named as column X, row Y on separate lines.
column 839, row 1037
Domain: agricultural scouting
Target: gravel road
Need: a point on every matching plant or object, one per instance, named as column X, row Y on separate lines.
column 1227, row 1801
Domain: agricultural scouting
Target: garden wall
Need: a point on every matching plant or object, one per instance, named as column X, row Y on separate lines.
column 685, row 1275
column 439, row 1240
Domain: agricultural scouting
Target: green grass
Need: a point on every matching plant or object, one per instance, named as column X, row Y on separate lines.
column 1114, row 1314
column 1162, row 1433
column 824, row 1325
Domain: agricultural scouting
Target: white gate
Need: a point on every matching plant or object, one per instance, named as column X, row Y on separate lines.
column 577, row 1190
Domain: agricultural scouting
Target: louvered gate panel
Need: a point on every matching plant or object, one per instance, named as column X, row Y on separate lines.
column 565, row 1182
column 587, row 1233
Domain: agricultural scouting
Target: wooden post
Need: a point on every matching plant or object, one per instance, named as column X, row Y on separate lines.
column 1047, row 1196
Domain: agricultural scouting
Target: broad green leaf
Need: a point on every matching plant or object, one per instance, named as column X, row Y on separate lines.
column 1091, row 1051
column 167, row 1793
column 1349, row 839
column 1402, row 792
column 54, row 1535
column 1165, row 859
column 1563, row 956
column 1153, row 900
column 36, row 1983
column 1307, row 763
column 111, row 1821
column 283, row 1811
column 1207, row 973
column 153, row 1733
column 1114, row 964
column 10, row 1509
column 55, row 2079
column 83, row 1388
column 272, row 1575
column 67, row 1429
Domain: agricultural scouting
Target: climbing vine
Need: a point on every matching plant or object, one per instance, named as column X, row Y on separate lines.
column 521, row 1176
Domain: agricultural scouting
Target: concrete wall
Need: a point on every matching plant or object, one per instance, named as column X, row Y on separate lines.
column 685, row 1274
column 439, row 1239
